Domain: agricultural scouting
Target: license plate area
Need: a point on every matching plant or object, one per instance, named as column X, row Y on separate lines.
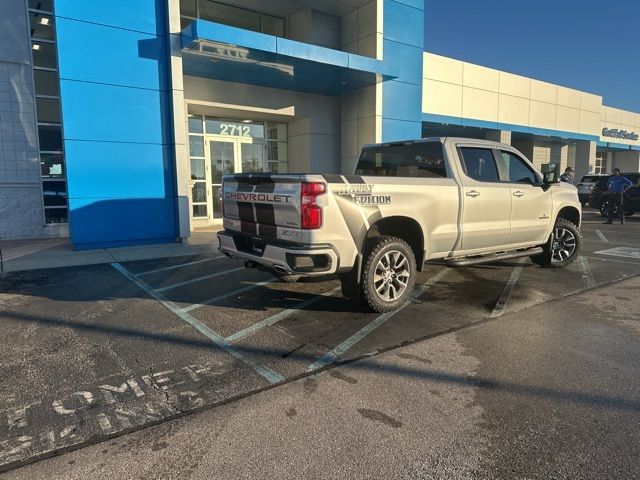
column 251, row 245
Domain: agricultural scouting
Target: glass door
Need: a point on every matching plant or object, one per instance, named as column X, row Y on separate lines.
column 223, row 159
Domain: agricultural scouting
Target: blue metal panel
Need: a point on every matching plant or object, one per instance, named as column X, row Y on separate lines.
column 113, row 64
column 470, row 122
column 108, row 222
column 419, row 4
column 399, row 100
column 403, row 53
column 126, row 57
column 601, row 144
column 312, row 52
column 141, row 15
column 618, row 146
column 115, row 114
column 116, row 170
column 410, row 19
column 403, row 61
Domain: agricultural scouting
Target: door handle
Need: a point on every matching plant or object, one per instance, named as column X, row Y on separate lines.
column 518, row 194
column 472, row 193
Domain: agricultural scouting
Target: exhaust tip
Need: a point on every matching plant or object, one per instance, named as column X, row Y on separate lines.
column 280, row 269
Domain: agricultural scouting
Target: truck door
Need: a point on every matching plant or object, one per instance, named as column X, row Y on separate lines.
column 486, row 201
column 531, row 206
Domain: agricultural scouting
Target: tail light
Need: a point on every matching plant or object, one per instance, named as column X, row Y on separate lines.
column 311, row 213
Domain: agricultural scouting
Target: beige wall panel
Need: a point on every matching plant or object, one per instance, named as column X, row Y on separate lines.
column 613, row 115
column 366, row 101
column 480, row 77
column 349, row 28
column 367, row 131
column 568, row 97
column 349, row 105
column 628, row 119
column 589, row 123
column 436, row 67
column 367, row 19
column 368, row 45
column 544, row 92
column 514, row 85
column 479, row 104
column 542, row 115
column 513, row 110
column 350, row 139
column 590, row 102
column 441, row 98
column 568, row 119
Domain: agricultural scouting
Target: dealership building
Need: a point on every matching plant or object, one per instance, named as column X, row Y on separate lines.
column 118, row 119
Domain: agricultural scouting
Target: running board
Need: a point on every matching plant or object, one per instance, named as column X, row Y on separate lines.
column 493, row 257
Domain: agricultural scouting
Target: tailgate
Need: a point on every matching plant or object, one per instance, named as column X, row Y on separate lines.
column 261, row 203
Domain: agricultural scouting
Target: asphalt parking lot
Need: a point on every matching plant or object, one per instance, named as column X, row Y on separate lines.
column 91, row 353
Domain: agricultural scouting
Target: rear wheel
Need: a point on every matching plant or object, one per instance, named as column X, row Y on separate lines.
column 562, row 248
column 604, row 210
column 389, row 274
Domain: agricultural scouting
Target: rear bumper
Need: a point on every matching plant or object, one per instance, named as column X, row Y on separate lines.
column 282, row 258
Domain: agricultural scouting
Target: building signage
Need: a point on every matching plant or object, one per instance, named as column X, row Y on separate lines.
column 622, row 134
column 235, row 129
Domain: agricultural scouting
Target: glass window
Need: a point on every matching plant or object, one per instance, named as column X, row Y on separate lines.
column 277, row 131
column 199, row 210
column 45, row 5
column 253, row 157
column 228, row 15
column 48, row 110
column 52, row 165
column 188, row 8
column 195, row 124
column 41, row 26
column 55, row 193
column 55, row 215
column 480, row 164
column 196, row 146
column 422, row 159
column 46, row 83
column 197, row 169
column 222, row 160
column 50, row 138
column 199, row 192
column 216, row 201
column 517, row 170
column 273, row 25
column 44, row 54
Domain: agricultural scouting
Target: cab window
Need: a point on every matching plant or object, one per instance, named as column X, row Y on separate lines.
column 420, row 159
column 479, row 164
column 517, row 170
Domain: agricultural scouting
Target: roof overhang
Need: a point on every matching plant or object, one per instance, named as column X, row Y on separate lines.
column 221, row 52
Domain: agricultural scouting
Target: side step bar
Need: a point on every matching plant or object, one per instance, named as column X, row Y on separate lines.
column 493, row 257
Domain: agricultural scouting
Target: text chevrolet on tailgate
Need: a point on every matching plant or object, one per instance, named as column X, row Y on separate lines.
column 460, row 200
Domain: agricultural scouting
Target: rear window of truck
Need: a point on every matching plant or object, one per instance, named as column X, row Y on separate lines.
column 422, row 159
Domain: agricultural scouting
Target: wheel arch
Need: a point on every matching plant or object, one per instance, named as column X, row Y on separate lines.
column 406, row 228
column 571, row 214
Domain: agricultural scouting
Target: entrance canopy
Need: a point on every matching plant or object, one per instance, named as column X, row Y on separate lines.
column 221, row 52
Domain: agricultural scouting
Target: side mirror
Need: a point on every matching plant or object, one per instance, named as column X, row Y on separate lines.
column 548, row 179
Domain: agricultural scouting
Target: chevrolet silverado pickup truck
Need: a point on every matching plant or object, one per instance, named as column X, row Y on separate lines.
column 457, row 200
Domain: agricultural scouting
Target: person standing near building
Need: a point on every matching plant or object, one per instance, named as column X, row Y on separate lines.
column 567, row 176
column 617, row 185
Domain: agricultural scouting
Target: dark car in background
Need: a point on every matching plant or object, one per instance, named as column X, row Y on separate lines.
column 585, row 185
column 599, row 197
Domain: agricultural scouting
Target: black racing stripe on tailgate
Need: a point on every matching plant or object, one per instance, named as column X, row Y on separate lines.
column 268, row 231
column 265, row 214
column 354, row 179
column 245, row 212
column 333, row 178
column 267, row 185
column 248, row 227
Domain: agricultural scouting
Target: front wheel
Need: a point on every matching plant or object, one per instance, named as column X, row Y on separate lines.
column 389, row 274
column 562, row 248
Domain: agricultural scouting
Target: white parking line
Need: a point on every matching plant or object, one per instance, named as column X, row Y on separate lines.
column 332, row 355
column 280, row 316
column 270, row 375
column 173, row 267
column 589, row 281
column 501, row 304
column 227, row 295
column 601, row 236
column 198, row 279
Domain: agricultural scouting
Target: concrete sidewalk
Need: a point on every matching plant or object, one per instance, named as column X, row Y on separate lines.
column 18, row 255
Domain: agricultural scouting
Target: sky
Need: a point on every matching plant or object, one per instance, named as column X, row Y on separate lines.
column 589, row 45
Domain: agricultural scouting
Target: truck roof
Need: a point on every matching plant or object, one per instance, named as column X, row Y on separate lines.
column 442, row 140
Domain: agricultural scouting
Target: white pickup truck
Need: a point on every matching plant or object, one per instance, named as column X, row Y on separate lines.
column 459, row 200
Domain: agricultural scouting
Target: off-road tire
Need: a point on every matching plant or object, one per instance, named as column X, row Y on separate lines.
column 285, row 278
column 376, row 252
column 546, row 258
